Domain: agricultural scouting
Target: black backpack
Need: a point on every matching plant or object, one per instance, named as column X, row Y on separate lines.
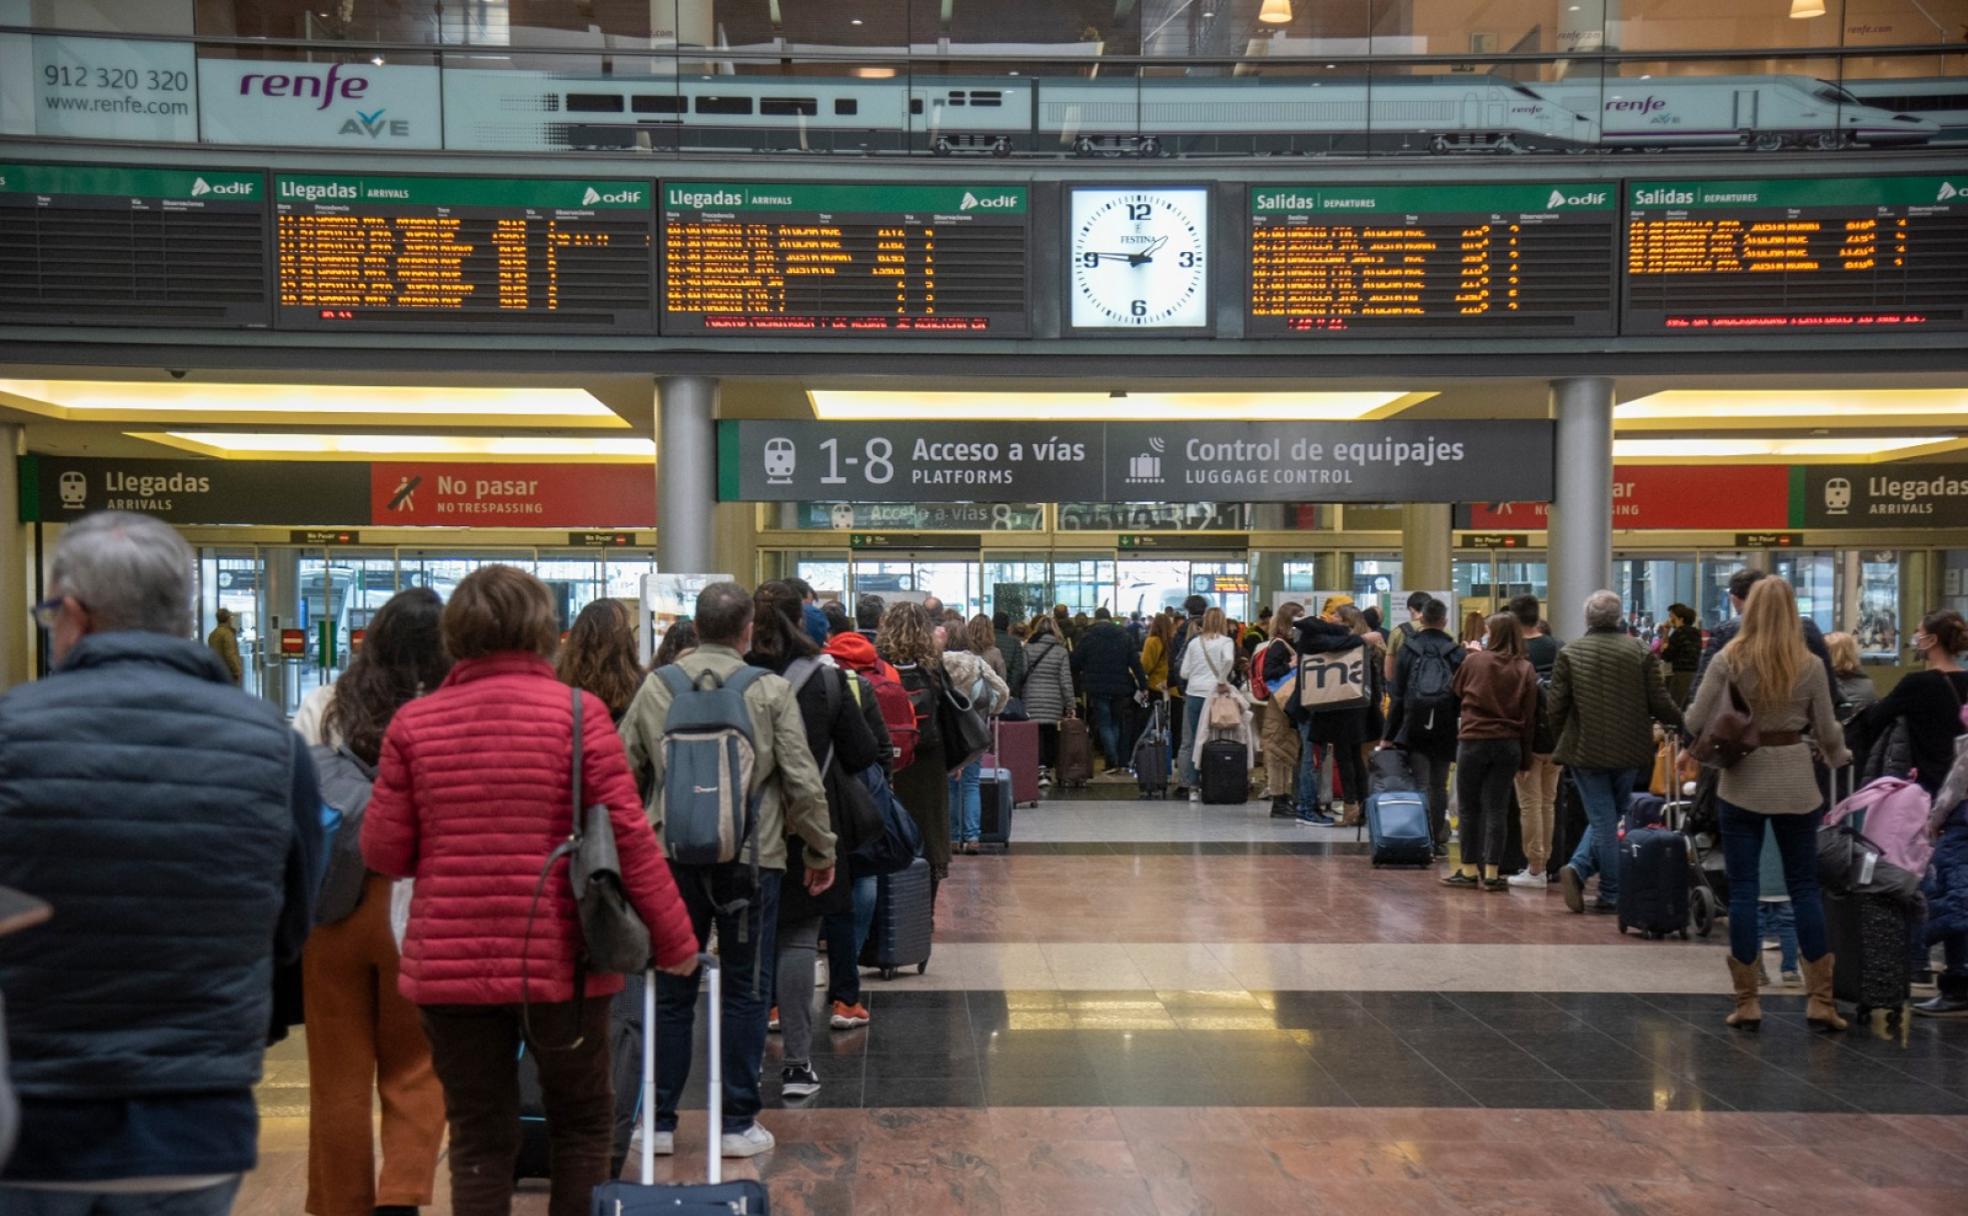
column 926, row 697
column 1429, row 695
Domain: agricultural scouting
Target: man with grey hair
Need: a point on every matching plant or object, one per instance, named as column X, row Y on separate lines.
column 173, row 823
column 1606, row 693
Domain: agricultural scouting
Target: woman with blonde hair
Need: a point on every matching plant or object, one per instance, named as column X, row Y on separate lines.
column 1856, row 692
column 1473, row 629
column 1272, row 684
column 1209, row 662
column 1767, row 669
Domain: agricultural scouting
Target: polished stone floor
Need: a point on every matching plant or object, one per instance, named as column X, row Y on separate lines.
column 1163, row 1008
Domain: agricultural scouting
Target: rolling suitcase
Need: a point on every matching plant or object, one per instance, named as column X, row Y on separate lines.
column 994, row 795
column 1225, row 773
column 714, row 1197
column 1151, row 757
column 1075, row 752
column 1018, row 751
column 1568, row 823
column 1654, row 866
column 1397, row 824
column 625, row 1035
column 904, row 922
column 1388, row 769
column 1870, row 965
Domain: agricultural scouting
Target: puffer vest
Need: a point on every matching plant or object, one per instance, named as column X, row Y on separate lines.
column 147, row 799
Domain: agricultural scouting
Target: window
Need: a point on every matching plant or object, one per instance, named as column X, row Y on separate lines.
column 724, row 105
column 594, row 103
column 982, row 98
column 656, row 103
column 915, row 105
column 846, row 105
column 794, row 107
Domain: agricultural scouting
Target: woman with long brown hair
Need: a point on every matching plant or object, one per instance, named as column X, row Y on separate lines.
column 907, row 640
column 1498, row 690
column 599, row 655
column 1768, row 668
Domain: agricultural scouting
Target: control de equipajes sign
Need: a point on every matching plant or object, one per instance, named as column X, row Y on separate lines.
column 1140, row 462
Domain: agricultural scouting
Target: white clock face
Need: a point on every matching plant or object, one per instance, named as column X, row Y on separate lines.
column 1139, row 258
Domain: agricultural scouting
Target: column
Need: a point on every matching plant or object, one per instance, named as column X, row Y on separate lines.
column 1427, row 535
column 686, row 473
column 281, row 601
column 1581, row 530
column 15, row 574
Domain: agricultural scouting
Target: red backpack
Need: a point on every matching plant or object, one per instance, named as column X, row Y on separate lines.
column 897, row 711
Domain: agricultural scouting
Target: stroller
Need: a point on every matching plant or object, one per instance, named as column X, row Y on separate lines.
column 1701, row 821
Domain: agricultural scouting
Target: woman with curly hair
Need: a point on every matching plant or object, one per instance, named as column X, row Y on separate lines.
column 907, row 640
column 599, row 656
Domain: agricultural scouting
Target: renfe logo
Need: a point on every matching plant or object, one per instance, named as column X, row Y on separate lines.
column 594, row 196
column 200, row 187
column 301, row 83
column 971, row 201
column 1591, row 198
column 1635, row 105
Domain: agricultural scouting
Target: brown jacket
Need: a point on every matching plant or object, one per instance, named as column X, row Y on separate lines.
column 1499, row 698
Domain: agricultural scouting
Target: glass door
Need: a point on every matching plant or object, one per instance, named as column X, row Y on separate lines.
column 235, row 580
column 1650, row 583
column 1018, row 585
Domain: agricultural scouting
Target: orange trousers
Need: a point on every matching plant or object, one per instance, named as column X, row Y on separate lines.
column 363, row 1038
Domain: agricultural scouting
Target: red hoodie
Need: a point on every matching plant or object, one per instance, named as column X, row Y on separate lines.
column 856, row 653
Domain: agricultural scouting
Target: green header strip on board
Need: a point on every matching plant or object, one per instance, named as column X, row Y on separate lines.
column 1797, row 497
column 510, row 192
column 205, row 185
column 1436, row 200
column 728, row 485
column 780, row 196
column 1804, row 192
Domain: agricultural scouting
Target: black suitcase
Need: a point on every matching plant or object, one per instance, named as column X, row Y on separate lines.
column 1568, row 823
column 1653, row 882
column 1869, row 939
column 1151, row 757
column 904, row 922
column 994, row 795
column 1388, row 770
column 625, row 1048
column 1075, row 753
column 715, row 1197
column 1225, row 773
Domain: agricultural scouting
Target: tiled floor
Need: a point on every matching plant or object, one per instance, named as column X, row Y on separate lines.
column 1159, row 1008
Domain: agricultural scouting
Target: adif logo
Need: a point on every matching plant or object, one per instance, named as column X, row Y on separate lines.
column 1947, row 191
column 594, row 196
column 1559, row 198
column 972, row 202
column 201, row 187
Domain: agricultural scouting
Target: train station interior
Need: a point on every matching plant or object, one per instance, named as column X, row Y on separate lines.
column 1064, row 310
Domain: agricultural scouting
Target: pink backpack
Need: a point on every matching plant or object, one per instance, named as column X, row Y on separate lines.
column 1894, row 818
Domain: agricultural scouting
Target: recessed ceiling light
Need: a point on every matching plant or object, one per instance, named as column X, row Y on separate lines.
column 1765, row 409
column 377, row 59
column 511, row 447
column 115, row 400
column 1799, row 448
column 855, row 21
column 840, row 405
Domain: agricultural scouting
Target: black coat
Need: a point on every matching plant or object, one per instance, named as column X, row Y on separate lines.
column 1106, row 663
column 1343, row 727
column 833, row 720
column 1430, row 641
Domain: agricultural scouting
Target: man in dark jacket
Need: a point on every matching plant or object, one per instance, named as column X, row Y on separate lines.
column 1423, row 712
column 1013, row 651
column 1739, row 584
column 1108, row 669
column 173, row 823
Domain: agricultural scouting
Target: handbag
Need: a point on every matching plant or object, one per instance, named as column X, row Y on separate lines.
column 1730, row 735
column 966, row 735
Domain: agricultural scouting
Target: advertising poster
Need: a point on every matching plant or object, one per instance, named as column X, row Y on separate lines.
column 98, row 88
column 357, row 105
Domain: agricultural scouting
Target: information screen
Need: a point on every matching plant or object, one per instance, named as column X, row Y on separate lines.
column 1377, row 261
column 749, row 257
column 1808, row 254
column 99, row 245
column 463, row 253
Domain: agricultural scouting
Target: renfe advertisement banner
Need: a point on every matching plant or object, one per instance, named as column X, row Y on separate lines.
column 1130, row 462
column 330, row 105
column 73, row 87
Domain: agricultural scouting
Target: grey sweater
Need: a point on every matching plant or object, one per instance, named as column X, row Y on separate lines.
column 1775, row 780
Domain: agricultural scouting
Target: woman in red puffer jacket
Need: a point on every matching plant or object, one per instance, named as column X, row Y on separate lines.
column 474, row 791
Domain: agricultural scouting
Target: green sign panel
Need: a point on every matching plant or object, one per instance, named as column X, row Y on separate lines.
column 510, row 193
column 1842, row 192
column 1514, row 199
column 111, row 181
column 843, row 199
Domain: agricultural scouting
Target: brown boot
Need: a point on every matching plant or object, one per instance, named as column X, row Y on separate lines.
column 1350, row 815
column 1820, row 1009
column 1748, row 979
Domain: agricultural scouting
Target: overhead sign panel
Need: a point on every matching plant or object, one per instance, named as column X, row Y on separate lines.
column 1206, row 462
column 464, row 254
column 1819, row 255
column 1385, row 261
column 787, row 258
column 1879, row 496
column 100, row 245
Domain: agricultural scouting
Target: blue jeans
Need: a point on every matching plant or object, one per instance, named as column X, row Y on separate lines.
column 966, row 804
column 1776, row 918
column 210, row 1201
column 846, row 934
column 1604, row 792
column 1109, row 713
column 1192, row 724
column 1307, row 792
column 1742, row 860
column 747, row 937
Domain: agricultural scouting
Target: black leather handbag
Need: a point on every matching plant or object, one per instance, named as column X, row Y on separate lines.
column 966, row 735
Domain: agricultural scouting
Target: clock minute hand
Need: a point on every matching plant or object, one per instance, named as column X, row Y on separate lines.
column 1147, row 255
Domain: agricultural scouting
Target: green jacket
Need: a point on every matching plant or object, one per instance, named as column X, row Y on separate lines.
column 224, row 641
column 795, row 802
column 1606, row 693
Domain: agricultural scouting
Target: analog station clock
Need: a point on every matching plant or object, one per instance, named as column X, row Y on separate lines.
column 1138, row 258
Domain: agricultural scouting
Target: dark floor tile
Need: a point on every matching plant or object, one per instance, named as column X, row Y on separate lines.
column 881, row 1001
column 921, row 1065
column 1776, row 1092
column 838, row 1091
column 1033, row 1089
column 1483, row 1060
column 1580, row 1057
column 894, row 1035
column 1663, row 1094
column 1289, row 1089
column 1018, row 1061
column 1437, row 1091
column 1897, row 1097
column 1482, row 1004
column 1533, row 1093
column 1155, row 1088
column 923, row 1091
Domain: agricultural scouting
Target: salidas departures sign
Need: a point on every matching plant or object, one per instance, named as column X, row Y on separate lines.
column 765, row 461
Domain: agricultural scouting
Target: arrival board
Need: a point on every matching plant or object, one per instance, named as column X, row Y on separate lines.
column 1803, row 254
column 1385, row 261
column 759, row 258
column 438, row 254
column 102, row 245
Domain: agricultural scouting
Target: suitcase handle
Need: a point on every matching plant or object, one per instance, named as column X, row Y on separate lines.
column 714, row 1171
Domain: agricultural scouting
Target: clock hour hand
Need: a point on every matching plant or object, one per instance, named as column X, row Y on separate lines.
column 1110, row 257
column 1143, row 257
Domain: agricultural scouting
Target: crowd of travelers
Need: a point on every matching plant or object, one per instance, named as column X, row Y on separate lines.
column 385, row 871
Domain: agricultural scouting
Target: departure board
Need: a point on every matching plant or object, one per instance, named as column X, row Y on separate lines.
column 750, row 257
column 1382, row 261
column 103, row 245
column 1813, row 255
column 450, row 254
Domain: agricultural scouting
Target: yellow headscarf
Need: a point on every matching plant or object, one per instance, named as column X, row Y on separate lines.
column 1333, row 604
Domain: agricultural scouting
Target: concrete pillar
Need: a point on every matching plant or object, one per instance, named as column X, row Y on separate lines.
column 1427, row 544
column 281, row 603
column 16, row 557
column 1581, row 527
column 686, row 474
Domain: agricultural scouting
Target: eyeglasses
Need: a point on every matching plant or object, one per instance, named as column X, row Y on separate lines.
column 47, row 612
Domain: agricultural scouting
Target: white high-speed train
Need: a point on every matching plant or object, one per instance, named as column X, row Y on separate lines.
column 1943, row 99
column 508, row 110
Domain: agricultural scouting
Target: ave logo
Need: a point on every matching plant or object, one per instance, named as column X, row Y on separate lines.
column 594, row 196
column 375, row 126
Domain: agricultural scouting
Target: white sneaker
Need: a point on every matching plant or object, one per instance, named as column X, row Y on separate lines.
column 1195, row 795
column 748, row 1143
column 1526, row 878
column 663, row 1145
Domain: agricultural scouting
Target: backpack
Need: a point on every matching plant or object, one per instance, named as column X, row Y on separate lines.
column 345, row 783
column 1181, row 643
column 1429, row 697
column 925, row 703
column 710, row 766
column 1893, row 813
column 898, row 844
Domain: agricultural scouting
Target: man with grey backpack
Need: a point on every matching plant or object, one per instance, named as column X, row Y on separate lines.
column 729, row 779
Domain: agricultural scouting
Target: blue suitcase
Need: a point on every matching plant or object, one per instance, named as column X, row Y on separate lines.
column 905, row 920
column 1653, row 882
column 1397, row 824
